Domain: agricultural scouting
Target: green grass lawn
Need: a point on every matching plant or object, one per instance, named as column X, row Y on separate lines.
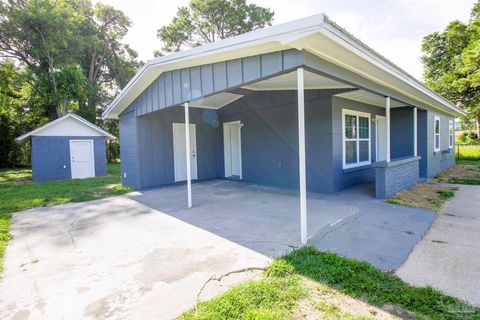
column 467, row 152
column 279, row 291
column 17, row 193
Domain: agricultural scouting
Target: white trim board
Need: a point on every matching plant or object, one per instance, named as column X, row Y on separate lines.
column 227, row 152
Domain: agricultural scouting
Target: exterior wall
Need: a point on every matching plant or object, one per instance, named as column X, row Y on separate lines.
column 51, row 157
column 343, row 178
column 129, row 149
column 270, row 138
column 422, row 141
column 441, row 160
column 401, row 132
column 155, row 140
column 396, row 176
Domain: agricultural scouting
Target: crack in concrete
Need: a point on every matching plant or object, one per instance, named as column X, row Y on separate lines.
column 69, row 232
column 220, row 277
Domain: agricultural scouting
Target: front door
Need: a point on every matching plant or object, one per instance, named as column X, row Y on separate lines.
column 232, row 141
column 180, row 152
column 381, row 141
column 82, row 159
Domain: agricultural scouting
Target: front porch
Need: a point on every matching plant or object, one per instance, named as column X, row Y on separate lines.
column 265, row 219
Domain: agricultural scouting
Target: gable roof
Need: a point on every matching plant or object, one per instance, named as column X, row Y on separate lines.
column 310, row 34
column 55, row 122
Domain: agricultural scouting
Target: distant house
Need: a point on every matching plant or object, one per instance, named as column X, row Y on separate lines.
column 301, row 105
column 69, row 147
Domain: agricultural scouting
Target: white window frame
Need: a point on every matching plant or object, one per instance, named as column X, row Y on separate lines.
column 357, row 114
column 435, row 119
column 451, row 135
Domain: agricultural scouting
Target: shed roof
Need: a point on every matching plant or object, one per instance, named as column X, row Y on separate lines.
column 69, row 130
column 316, row 34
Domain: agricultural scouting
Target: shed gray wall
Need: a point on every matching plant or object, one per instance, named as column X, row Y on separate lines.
column 51, row 154
column 179, row 86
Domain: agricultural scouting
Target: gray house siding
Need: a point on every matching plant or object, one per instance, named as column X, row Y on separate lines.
column 343, row 178
column 155, row 138
column 422, row 141
column 179, row 86
column 440, row 160
column 270, row 138
column 401, row 132
column 51, row 157
column 129, row 148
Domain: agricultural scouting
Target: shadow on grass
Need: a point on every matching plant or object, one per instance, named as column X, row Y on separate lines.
column 361, row 280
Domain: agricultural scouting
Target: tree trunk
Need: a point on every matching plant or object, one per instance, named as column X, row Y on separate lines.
column 478, row 126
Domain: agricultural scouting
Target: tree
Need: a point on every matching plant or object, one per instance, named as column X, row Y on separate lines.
column 74, row 51
column 452, row 63
column 205, row 21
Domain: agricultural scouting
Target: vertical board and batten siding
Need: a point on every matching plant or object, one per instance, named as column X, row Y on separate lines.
column 155, row 141
column 422, row 140
column 51, row 157
column 129, row 148
column 178, row 86
column 401, row 132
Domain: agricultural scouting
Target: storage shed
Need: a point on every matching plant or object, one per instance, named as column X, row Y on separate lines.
column 69, row 147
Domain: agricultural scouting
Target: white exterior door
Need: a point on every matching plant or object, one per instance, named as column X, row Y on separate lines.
column 82, row 159
column 180, row 150
column 232, row 140
column 381, row 141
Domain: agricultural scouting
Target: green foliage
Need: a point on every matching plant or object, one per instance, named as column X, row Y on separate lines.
column 468, row 137
column 452, row 63
column 19, row 193
column 361, row 280
column 271, row 297
column 467, row 151
column 205, row 21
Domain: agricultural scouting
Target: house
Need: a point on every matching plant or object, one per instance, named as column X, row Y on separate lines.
column 300, row 105
column 69, row 147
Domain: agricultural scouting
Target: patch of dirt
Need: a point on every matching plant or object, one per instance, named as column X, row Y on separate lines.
column 22, row 180
column 423, row 195
column 323, row 302
column 457, row 173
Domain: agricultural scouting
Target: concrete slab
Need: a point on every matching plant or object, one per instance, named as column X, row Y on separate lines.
column 145, row 255
column 448, row 257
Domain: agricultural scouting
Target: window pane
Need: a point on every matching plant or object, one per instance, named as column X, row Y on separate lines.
column 451, row 140
column 437, row 126
column 363, row 126
column 350, row 152
column 350, row 126
column 437, row 141
column 364, row 150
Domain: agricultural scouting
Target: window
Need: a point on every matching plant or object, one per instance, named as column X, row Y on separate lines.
column 436, row 134
column 450, row 133
column 356, row 138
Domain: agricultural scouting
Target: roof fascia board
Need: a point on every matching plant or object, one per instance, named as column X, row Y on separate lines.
column 346, row 40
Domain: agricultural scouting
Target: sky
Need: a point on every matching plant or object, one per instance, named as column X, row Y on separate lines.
column 394, row 28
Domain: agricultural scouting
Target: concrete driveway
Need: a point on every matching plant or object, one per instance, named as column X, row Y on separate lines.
column 144, row 255
column 448, row 257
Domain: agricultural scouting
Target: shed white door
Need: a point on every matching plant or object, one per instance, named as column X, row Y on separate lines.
column 232, row 141
column 179, row 151
column 82, row 159
column 381, row 140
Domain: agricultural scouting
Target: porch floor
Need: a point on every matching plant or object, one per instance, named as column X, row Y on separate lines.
column 266, row 219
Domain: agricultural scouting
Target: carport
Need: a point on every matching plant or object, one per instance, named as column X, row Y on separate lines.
column 303, row 106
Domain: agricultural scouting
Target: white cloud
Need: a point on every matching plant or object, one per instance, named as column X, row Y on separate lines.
column 393, row 28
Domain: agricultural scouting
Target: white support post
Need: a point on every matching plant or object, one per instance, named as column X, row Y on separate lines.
column 301, row 156
column 415, row 150
column 387, row 114
column 188, row 155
